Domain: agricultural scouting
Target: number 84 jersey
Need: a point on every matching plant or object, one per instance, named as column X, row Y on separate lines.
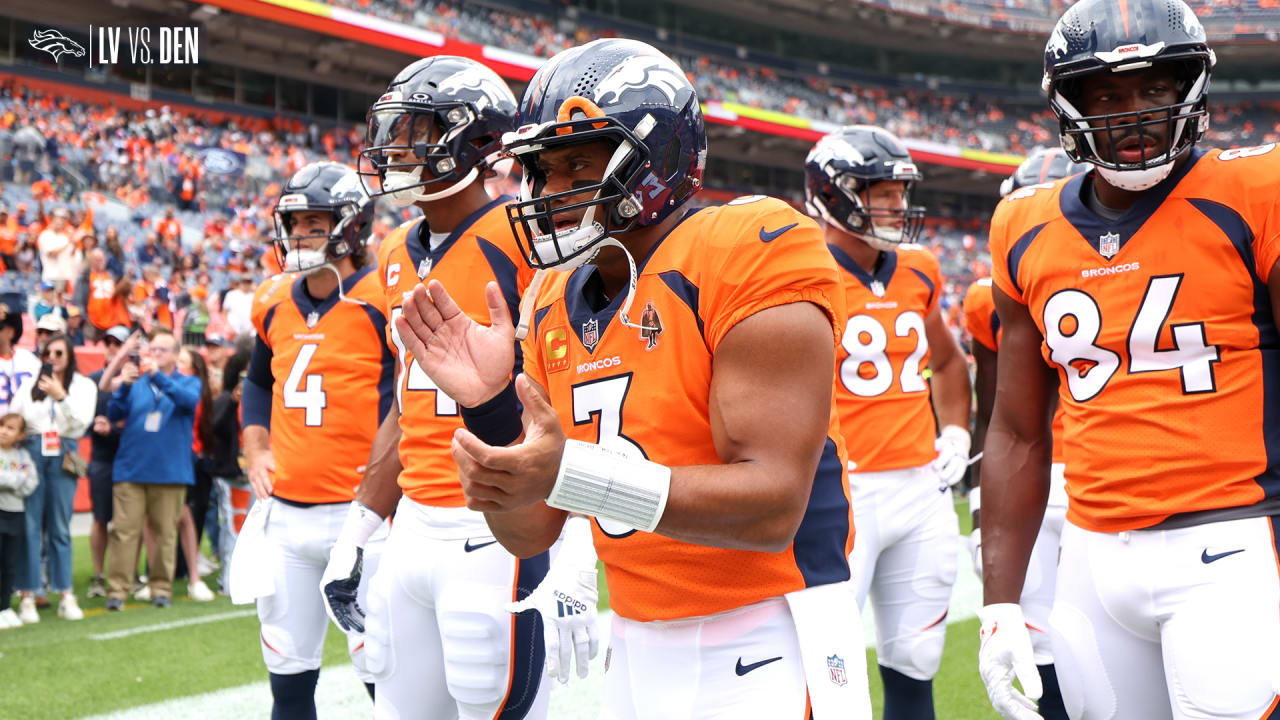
column 1160, row 327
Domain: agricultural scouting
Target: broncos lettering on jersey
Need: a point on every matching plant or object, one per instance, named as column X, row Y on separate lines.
column 885, row 413
column 651, row 388
column 1161, row 329
column 332, row 376
column 481, row 249
column 983, row 324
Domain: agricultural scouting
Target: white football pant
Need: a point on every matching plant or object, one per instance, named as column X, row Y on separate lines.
column 1158, row 624
column 904, row 556
column 1042, row 570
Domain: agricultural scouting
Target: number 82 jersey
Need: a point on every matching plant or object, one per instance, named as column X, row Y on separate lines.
column 1160, row 327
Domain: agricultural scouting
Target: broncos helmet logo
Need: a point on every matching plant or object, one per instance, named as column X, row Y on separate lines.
column 830, row 148
column 55, row 43
column 1057, row 46
column 641, row 72
column 481, row 80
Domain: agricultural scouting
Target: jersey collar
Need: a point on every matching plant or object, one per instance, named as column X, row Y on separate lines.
column 883, row 274
column 304, row 302
column 1094, row 228
column 419, row 250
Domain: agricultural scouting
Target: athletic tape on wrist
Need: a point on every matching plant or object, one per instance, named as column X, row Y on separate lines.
column 496, row 421
column 975, row 500
column 361, row 522
column 595, row 480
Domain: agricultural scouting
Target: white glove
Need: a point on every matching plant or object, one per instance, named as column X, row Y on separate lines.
column 975, row 549
column 341, row 579
column 1005, row 653
column 953, row 454
column 566, row 598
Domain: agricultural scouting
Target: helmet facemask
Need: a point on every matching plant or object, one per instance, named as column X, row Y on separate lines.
column 294, row 255
column 400, row 161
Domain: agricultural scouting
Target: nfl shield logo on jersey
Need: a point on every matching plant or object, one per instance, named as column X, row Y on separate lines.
column 424, row 267
column 1109, row 245
column 590, row 334
column 312, row 318
column 835, row 666
column 877, row 288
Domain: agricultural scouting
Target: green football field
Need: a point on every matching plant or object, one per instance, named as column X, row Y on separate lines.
column 202, row 661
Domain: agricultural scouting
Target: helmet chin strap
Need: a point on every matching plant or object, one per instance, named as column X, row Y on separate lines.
column 631, row 286
column 1136, row 180
column 401, row 192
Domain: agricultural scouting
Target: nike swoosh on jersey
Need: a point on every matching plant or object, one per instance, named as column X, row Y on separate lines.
column 744, row 669
column 771, row 235
column 1206, row 558
column 468, row 547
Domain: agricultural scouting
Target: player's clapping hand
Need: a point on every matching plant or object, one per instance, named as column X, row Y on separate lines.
column 470, row 362
column 499, row 479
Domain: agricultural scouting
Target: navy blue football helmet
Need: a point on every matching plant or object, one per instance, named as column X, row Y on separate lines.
column 1105, row 36
column 1041, row 166
column 328, row 187
column 630, row 95
column 847, row 162
column 436, row 130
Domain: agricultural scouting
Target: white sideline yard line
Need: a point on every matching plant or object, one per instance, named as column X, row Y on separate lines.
column 160, row 627
column 341, row 695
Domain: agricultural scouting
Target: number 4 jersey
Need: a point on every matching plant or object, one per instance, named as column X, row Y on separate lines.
column 331, row 382
column 1160, row 327
column 883, row 399
column 649, row 390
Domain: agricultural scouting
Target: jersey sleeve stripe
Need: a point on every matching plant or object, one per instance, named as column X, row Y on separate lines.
column 819, row 545
column 927, row 283
column 687, row 292
column 1237, row 231
column 995, row 330
column 266, row 319
column 1018, row 250
column 387, row 378
column 538, row 315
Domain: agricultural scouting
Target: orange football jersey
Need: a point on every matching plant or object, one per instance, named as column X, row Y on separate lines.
column 333, row 375
column 983, row 324
column 651, row 388
column 480, row 250
column 885, row 413
column 1160, row 327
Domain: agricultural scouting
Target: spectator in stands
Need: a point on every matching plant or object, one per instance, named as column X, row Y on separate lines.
column 106, row 440
column 57, row 406
column 8, row 238
column 196, row 321
column 237, row 305
column 191, row 525
column 217, row 351
column 231, row 487
column 59, row 256
column 150, row 250
column 16, row 364
column 50, row 302
column 169, row 227
column 153, row 465
column 28, row 147
column 107, row 293
column 46, row 327
column 18, row 480
column 115, row 250
column 75, row 324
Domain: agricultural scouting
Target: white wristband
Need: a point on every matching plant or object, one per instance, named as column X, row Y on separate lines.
column 595, row 480
column 975, row 500
column 361, row 522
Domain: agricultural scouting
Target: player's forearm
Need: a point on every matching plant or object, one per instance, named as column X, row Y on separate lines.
column 528, row 531
column 256, row 439
column 952, row 393
column 1015, row 490
column 739, row 506
column 380, row 489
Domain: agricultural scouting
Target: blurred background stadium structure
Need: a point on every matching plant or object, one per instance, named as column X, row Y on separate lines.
column 281, row 83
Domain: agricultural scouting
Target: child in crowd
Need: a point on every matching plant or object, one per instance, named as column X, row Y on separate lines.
column 17, row 480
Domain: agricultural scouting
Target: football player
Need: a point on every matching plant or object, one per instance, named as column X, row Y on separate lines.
column 858, row 181
column 319, row 383
column 1148, row 286
column 1043, row 165
column 702, row 441
column 439, row 636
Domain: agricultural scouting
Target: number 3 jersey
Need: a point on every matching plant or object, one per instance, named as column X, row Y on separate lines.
column 882, row 397
column 331, row 383
column 649, row 390
column 479, row 251
column 1161, row 329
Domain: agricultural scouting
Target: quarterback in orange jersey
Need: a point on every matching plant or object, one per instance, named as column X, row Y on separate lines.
column 319, row 382
column 1043, row 165
column 1148, row 286
column 701, row 440
column 858, row 180
column 440, row 636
